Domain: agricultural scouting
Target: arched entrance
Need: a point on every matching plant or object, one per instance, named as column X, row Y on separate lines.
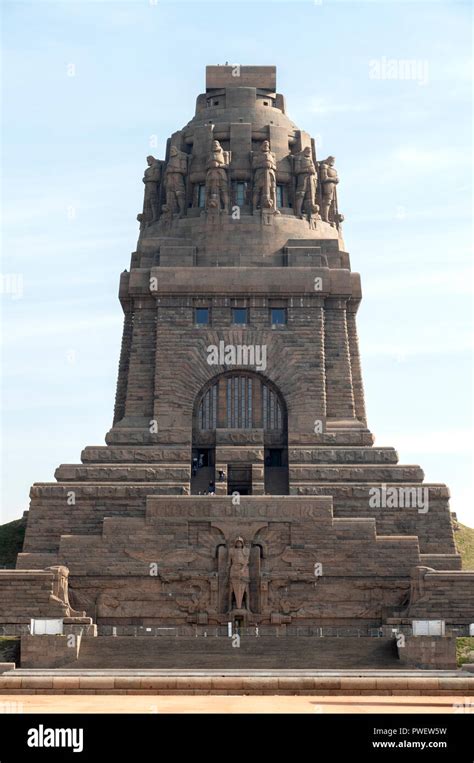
column 245, row 411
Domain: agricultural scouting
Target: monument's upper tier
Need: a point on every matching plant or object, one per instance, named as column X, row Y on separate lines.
column 250, row 90
column 245, row 95
column 235, row 75
column 240, row 160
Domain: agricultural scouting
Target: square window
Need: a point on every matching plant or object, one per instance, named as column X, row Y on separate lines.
column 278, row 316
column 240, row 316
column 201, row 316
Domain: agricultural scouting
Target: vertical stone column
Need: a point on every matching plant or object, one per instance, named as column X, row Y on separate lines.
column 339, row 392
column 320, row 356
column 357, row 383
column 121, row 391
column 141, row 373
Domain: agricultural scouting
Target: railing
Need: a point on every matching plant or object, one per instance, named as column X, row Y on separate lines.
column 221, row 631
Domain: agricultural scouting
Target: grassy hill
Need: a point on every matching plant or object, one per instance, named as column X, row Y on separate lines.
column 464, row 650
column 464, row 537
column 11, row 541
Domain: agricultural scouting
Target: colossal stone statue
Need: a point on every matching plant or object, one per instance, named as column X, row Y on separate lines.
column 174, row 181
column 329, row 180
column 306, row 179
column 239, row 576
column 217, row 192
column 151, row 200
column 264, row 181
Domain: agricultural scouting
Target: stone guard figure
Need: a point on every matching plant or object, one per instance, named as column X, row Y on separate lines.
column 264, row 182
column 306, row 180
column 329, row 180
column 174, row 181
column 151, row 200
column 217, row 191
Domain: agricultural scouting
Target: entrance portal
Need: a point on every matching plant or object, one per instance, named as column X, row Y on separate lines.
column 244, row 409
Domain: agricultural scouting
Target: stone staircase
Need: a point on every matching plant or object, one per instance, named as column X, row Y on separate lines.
column 263, row 652
column 200, row 483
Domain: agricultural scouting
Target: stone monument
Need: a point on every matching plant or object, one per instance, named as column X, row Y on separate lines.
column 239, row 481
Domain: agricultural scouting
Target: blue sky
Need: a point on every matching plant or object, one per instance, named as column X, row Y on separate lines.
column 74, row 151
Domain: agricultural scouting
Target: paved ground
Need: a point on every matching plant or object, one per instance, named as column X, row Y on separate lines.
column 27, row 703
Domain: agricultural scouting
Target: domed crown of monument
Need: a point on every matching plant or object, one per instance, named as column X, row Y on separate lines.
column 240, row 163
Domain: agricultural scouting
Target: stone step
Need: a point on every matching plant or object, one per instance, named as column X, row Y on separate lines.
column 36, row 561
column 69, row 508
column 245, row 454
column 231, row 681
column 169, row 473
column 437, row 492
column 431, row 523
column 441, row 561
column 52, row 515
column 348, row 473
column 234, row 682
column 322, row 454
column 335, row 438
column 169, row 454
column 106, row 490
column 304, row 472
column 109, row 454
